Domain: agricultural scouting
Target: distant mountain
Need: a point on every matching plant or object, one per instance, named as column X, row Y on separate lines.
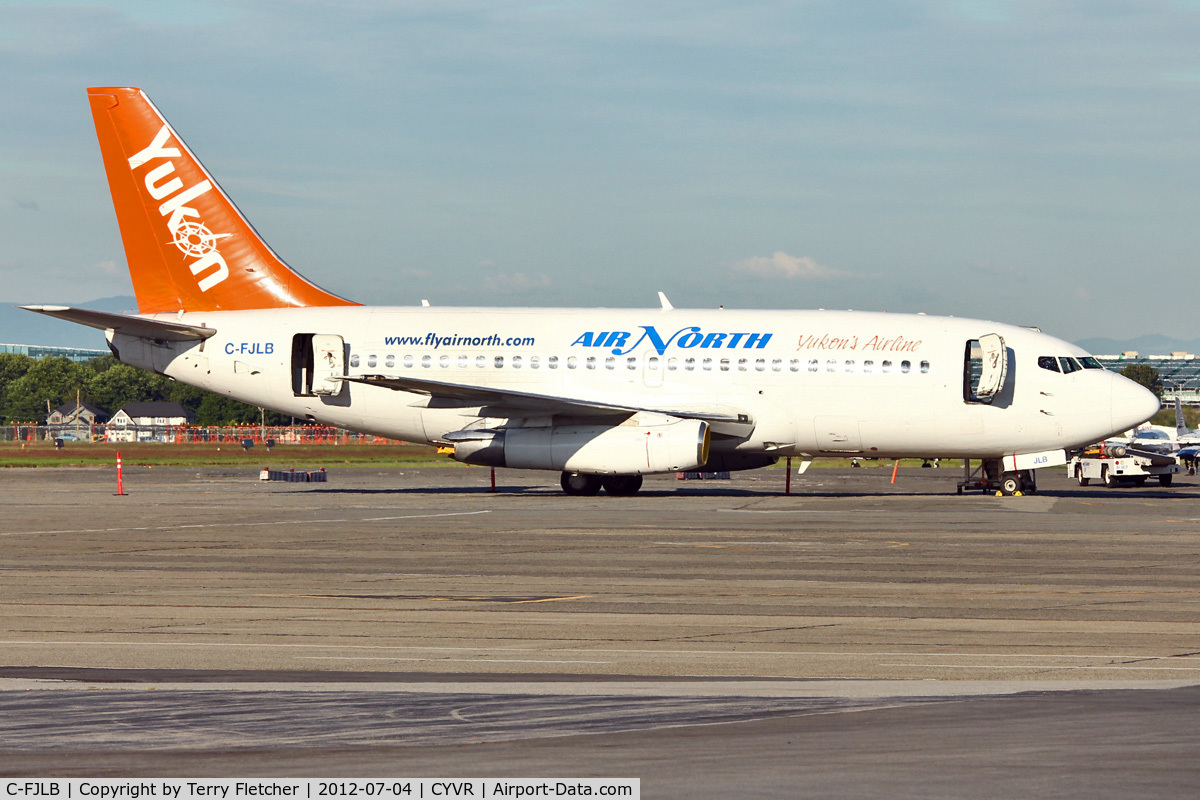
column 18, row 326
column 1150, row 344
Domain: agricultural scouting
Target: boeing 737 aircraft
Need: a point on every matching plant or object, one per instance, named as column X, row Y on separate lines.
column 602, row 396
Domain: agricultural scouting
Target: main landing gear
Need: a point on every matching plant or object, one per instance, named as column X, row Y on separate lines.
column 581, row 484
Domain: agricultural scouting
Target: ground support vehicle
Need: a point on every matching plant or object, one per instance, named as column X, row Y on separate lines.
column 1117, row 466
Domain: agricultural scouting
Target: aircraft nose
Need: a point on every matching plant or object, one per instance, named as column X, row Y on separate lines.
column 1132, row 403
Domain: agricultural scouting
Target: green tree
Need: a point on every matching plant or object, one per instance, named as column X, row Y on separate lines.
column 51, row 381
column 120, row 384
column 1145, row 375
column 12, row 366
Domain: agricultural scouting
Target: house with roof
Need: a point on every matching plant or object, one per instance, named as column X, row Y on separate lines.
column 147, row 422
column 74, row 420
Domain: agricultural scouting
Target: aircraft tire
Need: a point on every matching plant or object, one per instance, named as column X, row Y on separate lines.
column 622, row 485
column 580, row 484
column 1010, row 484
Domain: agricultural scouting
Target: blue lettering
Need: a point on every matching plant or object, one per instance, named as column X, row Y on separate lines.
column 616, row 340
column 656, row 340
column 250, row 348
column 686, row 338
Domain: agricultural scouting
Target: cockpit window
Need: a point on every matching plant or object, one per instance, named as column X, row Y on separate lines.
column 1090, row 363
column 1048, row 362
column 1069, row 365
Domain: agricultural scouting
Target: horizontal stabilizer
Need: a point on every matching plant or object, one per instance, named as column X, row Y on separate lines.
column 142, row 327
column 551, row 404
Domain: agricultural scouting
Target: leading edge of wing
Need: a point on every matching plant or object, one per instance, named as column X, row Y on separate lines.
column 549, row 404
column 142, row 327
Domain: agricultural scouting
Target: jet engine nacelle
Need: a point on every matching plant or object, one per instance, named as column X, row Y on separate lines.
column 633, row 449
column 733, row 462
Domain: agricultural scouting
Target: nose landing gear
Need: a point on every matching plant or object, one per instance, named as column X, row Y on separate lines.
column 990, row 476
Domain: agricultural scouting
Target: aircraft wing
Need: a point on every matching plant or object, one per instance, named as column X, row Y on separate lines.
column 726, row 419
column 142, row 327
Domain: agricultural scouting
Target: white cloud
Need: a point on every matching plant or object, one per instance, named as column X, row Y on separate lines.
column 782, row 265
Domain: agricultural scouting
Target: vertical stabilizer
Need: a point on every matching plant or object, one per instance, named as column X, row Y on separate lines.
column 188, row 246
column 1181, row 428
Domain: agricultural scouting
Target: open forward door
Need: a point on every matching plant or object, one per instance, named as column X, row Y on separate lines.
column 985, row 369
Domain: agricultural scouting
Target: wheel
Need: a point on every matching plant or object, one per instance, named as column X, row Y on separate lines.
column 1109, row 480
column 622, row 485
column 580, row 484
column 1079, row 476
column 1165, row 480
column 1010, row 484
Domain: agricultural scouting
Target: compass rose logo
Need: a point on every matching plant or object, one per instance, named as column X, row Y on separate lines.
column 195, row 240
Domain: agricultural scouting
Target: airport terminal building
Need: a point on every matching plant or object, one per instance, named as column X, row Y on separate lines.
column 45, row 351
column 1179, row 371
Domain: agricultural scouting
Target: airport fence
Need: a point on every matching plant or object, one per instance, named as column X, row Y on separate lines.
column 192, row 434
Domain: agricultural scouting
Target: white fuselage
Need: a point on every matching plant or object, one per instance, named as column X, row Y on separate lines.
column 812, row 382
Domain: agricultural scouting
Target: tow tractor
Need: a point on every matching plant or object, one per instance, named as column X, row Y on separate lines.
column 1118, row 464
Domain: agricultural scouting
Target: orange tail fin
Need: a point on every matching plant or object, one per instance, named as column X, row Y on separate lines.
column 188, row 246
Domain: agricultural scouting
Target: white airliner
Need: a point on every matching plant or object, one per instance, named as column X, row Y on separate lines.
column 602, row 396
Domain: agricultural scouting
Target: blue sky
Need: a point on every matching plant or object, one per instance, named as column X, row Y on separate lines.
column 1031, row 162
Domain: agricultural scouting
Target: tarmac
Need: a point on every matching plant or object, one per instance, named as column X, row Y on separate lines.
column 857, row 638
